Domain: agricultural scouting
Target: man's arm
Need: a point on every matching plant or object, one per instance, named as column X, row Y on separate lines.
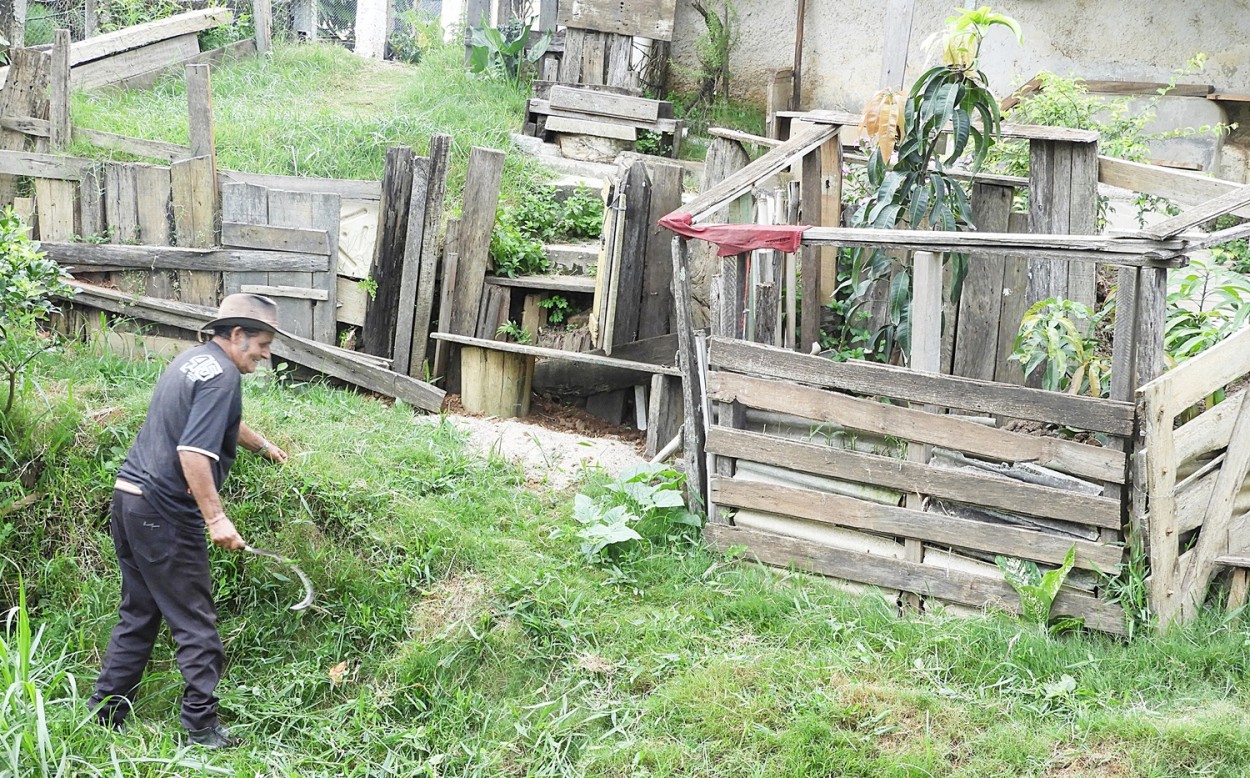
column 255, row 442
column 198, row 470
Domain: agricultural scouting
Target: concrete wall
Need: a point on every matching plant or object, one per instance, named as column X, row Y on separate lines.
column 1096, row 39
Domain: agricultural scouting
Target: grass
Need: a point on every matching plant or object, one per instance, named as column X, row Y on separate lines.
column 478, row 642
column 318, row 110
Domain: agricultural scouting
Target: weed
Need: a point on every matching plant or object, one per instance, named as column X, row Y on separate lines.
column 557, row 307
column 518, row 334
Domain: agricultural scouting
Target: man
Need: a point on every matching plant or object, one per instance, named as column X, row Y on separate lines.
column 165, row 496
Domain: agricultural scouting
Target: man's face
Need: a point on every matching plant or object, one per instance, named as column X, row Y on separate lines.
column 249, row 350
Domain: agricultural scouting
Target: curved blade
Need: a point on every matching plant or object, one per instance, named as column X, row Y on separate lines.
column 308, row 588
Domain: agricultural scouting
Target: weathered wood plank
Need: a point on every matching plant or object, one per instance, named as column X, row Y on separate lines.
column 1203, row 212
column 121, row 203
column 980, row 302
column 406, row 301
column 211, row 260
column 296, row 292
column 974, row 489
column 908, row 424
column 150, row 32
column 481, row 198
column 695, row 421
column 54, row 200
column 554, row 353
column 571, row 126
column 440, row 157
column 644, row 18
column 1160, row 531
column 555, row 283
column 195, row 223
column 244, row 204
column 271, row 238
column 928, row 580
column 844, row 511
column 663, row 126
column 946, row 391
column 301, row 209
column 1181, row 186
column 262, row 16
column 1008, row 130
column 140, row 147
column 590, row 101
column 388, row 257
column 627, row 288
column 657, row 275
column 58, row 103
column 898, row 20
column 26, row 163
column 582, row 380
column 348, row 189
column 154, row 191
column 119, row 68
column 148, row 78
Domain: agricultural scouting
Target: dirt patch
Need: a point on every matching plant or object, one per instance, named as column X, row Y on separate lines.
column 555, row 445
column 448, row 605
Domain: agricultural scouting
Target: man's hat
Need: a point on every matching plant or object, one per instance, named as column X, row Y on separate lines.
column 250, row 311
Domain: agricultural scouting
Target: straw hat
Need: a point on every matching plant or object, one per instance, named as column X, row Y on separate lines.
column 250, row 311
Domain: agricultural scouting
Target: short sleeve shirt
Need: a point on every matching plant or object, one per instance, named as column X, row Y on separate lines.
column 197, row 406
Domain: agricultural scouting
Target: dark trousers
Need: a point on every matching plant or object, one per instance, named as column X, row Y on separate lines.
column 165, row 574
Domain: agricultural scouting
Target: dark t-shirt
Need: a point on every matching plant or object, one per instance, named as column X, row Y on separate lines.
column 197, row 406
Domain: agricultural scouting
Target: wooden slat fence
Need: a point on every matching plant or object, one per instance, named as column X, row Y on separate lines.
column 808, row 470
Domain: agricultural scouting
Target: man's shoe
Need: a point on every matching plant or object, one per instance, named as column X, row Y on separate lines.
column 215, row 736
column 110, row 720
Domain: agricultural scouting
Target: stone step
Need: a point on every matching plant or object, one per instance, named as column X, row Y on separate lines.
column 573, row 259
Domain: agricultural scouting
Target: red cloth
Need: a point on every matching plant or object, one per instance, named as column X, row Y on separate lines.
column 738, row 238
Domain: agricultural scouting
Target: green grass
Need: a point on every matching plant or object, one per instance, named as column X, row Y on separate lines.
column 479, row 642
column 318, row 110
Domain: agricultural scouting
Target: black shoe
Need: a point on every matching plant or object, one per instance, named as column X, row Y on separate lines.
column 215, row 736
column 110, row 720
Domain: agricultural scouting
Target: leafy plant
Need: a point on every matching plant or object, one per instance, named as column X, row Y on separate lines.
column 119, row 14
column 415, row 34
column 907, row 165
column 644, row 505
column 557, row 307
column 28, row 284
column 581, row 215
column 1205, row 305
column 1051, row 335
column 1235, row 254
column 502, row 52
column 649, row 142
column 514, row 250
column 369, row 286
column 510, row 329
column 1037, row 590
column 720, row 37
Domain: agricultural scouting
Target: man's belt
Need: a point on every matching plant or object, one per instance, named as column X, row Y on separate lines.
column 127, row 487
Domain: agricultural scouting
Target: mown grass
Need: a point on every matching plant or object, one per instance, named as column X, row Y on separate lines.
column 478, row 642
column 319, row 110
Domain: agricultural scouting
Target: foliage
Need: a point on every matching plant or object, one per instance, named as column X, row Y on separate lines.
column 713, row 48
column 1037, row 591
column 415, row 33
column 557, row 307
column 518, row 334
column 116, row 15
column 513, row 249
column 649, row 142
column 1121, row 124
column 1235, row 254
column 369, row 286
column 1204, row 305
column 644, row 505
column 28, row 284
column 544, row 216
column 1061, row 334
column 907, row 167
column 502, row 52
column 849, row 336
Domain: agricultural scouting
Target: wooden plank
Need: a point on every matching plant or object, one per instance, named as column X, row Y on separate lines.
column 58, row 102
column 554, row 353
column 440, row 157
column 898, row 27
column 583, row 127
column 1199, row 376
column 195, row 221
column 987, row 491
column 1014, row 304
column 406, row 302
column 209, row 260
column 388, row 257
column 662, row 125
column 644, row 18
column 621, row 72
column 657, row 276
column 695, row 423
column 481, row 198
column 734, row 186
column 1109, row 87
column 348, row 189
column 295, row 292
column 571, row 62
column 628, row 287
column 1082, row 217
column 1214, row 540
column 838, row 510
column 154, row 193
column 1180, row 186
column 352, row 302
column 664, row 413
column 1112, row 250
column 300, row 209
column 25, row 163
column 140, row 147
column 24, row 94
column 141, row 35
column 54, row 200
column 121, row 203
column 1226, row 203
column 91, row 206
column 590, row 101
column 925, row 357
column 980, row 302
column 262, row 17
column 447, row 294
column 270, row 238
column 244, row 203
column 1050, row 189
column 877, row 418
column 1008, row 130
column 581, row 380
column 928, row 580
column 945, row 391
column 594, row 57
column 831, row 162
column 148, row 78
column 1158, row 463
column 27, row 125
column 200, row 113
column 120, row 68
column 811, row 211
column 1151, row 311
column 1209, row 432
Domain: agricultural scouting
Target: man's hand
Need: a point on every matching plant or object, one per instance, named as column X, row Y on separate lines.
column 275, row 454
column 222, row 532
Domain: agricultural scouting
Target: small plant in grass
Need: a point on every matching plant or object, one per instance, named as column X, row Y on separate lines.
column 1061, row 334
column 544, row 217
column 1205, row 304
column 510, row 330
column 649, row 142
column 1235, row 254
column 644, row 506
column 557, row 307
column 28, row 284
column 514, row 250
column 116, row 15
column 415, row 34
column 503, row 52
column 1037, row 590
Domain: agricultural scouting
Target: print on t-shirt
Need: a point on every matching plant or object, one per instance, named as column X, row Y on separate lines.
column 202, row 368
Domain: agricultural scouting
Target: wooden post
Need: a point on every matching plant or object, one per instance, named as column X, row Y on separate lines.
column 811, row 212
column 830, row 213
column 440, row 157
column 664, row 413
column 371, row 28
column 91, row 19
column 304, row 16
column 1063, row 200
column 692, row 383
column 195, row 224
column 58, row 103
column 262, row 13
column 976, row 347
column 481, row 199
column 628, row 287
column 1152, row 292
column 410, row 264
column 14, row 19
column 897, row 34
column 800, row 14
column 381, row 314
column 200, row 112
column 657, row 277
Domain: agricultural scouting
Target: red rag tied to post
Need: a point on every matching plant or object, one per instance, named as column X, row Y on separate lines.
column 732, row 239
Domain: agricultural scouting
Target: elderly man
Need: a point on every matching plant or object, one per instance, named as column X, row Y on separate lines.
column 165, row 496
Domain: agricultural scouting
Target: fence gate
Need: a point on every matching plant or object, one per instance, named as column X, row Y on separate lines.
column 256, row 217
column 816, row 464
